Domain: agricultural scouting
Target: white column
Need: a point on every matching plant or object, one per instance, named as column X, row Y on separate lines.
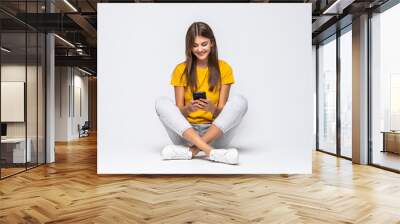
column 50, row 110
column 360, row 90
column 50, row 92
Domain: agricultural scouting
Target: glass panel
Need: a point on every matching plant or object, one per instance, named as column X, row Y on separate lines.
column 41, row 98
column 327, row 96
column 346, row 93
column 386, row 89
column 31, row 101
column 13, row 88
column 31, row 86
column 22, row 88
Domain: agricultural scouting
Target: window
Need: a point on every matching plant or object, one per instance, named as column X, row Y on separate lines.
column 327, row 96
column 346, row 93
column 385, row 88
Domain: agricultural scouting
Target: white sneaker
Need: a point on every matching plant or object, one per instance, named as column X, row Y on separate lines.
column 176, row 152
column 229, row 156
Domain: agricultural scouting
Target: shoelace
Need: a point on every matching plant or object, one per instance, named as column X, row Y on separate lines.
column 177, row 152
column 220, row 156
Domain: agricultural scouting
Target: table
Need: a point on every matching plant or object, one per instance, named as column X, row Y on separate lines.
column 391, row 141
column 15, row 148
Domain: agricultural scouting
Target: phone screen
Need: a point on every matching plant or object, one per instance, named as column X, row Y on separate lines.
column 199, row 95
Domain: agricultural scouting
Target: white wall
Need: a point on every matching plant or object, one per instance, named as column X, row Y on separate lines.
column 68, row 83
column 272, row 66
column 10, row 73
column 16, row 72
column 61, row 103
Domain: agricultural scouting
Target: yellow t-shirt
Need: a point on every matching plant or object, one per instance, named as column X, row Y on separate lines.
column 179, row 79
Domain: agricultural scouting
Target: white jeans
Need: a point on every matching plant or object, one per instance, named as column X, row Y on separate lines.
column 227, row 121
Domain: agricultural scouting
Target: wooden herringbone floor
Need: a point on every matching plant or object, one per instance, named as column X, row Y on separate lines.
column 70, row 191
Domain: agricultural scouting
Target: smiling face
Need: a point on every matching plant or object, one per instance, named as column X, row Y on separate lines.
column 201, row 51
column 201, row 48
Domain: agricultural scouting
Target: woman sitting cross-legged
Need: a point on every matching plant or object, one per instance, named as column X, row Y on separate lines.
column 203, row 117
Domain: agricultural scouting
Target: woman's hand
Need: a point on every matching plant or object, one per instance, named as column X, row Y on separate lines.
column 206, row 105
column 192, row 106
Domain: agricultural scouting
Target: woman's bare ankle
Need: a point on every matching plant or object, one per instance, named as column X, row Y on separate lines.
column 194, row 150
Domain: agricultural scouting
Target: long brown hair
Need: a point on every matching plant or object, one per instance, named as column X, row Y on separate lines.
column 214, row 77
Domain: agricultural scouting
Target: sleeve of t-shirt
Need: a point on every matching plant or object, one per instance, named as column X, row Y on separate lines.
column 226, row 73
column 178, row 78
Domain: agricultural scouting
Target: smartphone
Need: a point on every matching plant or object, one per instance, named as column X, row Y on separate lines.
column 199, row 95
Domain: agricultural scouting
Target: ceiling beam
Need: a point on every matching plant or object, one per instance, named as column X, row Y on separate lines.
column 85, row 25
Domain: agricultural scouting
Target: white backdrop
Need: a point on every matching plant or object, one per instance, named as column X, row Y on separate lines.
column 269, row 49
